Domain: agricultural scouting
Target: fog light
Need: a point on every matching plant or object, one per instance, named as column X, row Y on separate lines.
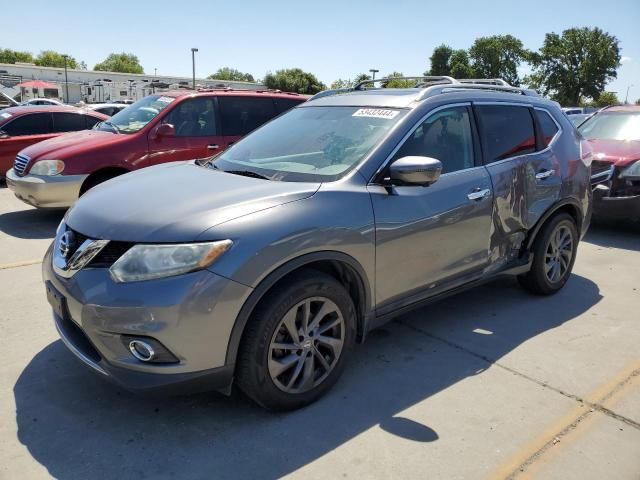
column 141, row 350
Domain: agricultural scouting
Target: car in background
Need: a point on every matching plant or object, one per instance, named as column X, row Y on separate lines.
column 578, row 118
column 266, row 263
column 108, row 109
column 614, row 136
column 23, row 126
column 41, row 102
column 578, row 110
column 166, row 127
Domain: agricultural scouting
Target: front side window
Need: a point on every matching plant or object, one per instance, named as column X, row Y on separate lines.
column 68, row 122
column 241, row 115
column 507, row 131
column 137, row 115
column 194, row 118
column 612, row 126
column 30, row 124
column 446, row 136
column 311, row 143
column 548, row 127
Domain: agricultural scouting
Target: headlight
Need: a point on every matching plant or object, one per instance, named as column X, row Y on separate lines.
column 146, row 262
column 47, row 167
column 632, row 171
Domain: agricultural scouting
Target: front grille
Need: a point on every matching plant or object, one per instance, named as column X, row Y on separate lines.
column 20, row 164
column 109, row 254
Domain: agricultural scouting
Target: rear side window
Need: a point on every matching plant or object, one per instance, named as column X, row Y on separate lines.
column 30, row 124
column 241, row 115
column 548, row 127
column 194, row 118
column 507, row 131
column 68, row 122
column 284, row 104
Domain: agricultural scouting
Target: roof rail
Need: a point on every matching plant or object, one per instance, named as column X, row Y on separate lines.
column 429, row 79
column 438, row 89
column 485, row 81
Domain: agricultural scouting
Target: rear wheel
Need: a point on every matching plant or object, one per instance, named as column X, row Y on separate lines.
column 295, row 344
column 554, row 253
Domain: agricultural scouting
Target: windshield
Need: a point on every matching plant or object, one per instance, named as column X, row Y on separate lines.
column 137, row 115
column 310, row 143
column 612, row 126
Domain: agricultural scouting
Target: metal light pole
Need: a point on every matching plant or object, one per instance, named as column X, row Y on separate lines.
column 66, row 78
column 193, row 64
column 626, row 97
column 373, row 73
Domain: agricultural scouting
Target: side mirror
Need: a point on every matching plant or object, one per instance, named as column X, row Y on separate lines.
column 3, row 134
column 422, row 171
column 165, row 130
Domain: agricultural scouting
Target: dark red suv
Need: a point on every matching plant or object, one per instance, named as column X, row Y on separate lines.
column 165, row 127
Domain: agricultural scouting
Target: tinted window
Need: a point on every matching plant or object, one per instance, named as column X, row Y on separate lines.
column 284, row 104
column 90, row 121
column 547, row 126
column 446, row 136
column 241, row 115
column 68, row 122
column 30, row 124
column 507, row 131
column 194, row 118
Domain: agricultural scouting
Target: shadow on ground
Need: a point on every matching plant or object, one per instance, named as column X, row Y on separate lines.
column 614, row 235
column 78, row 426
column 31, row 223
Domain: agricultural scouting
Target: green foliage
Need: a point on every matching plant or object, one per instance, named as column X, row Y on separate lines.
column 459, row 64
column 440, row 61
column 293, row 80
column 398, row 83
column 575, row 65
column 606, row 99
column 498, row 56
column 120, row 62
column 49, row 58
column 361, row 78
column 12, row 56
column 232, row 75
column 340, row 83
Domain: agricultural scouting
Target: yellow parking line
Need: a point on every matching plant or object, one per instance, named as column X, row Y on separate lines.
column 519, row 462
column 20, row 264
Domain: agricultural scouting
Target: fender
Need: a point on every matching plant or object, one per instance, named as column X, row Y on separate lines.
column 272, row 278
column 549, row 213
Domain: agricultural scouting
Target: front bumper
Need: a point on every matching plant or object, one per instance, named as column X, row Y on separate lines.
column 57, row 191
column 191, row 315
column 625, row 209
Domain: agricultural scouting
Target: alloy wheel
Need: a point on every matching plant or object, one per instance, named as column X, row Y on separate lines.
column 558, row 254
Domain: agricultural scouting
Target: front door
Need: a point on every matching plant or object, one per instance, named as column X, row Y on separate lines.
column 427, row 237
column 196, row 133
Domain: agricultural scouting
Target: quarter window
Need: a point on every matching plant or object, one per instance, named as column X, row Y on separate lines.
column 194, row 118
column 507, row 131
column 241, row 115
column 30, row 124
column 446, row 136
column 548, row 127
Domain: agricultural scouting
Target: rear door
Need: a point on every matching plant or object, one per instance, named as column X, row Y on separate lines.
column 197, row 134
column 68, row 122
column 21, row 132
column 429, row 237
column 243, row 114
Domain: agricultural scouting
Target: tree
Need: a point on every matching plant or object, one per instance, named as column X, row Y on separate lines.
column 638, row 101
column 293, row 80
column 606, row 99
column 340, row 83
column 498, row 56
column 361, row 78
column 575, row 65
column 49, row 58
column 12, row 56
column 232, row 75
column 459, row 65
column 120, row 62
column 398, row 83
column 440, row 61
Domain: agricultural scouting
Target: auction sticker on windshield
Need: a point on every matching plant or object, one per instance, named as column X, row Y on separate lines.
column 375, row 113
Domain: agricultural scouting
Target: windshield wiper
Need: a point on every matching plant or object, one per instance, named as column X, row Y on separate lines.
column 246, row 173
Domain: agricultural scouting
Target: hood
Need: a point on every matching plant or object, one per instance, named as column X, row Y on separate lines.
column 72, row 143
column 175, row 202
column 618, row 152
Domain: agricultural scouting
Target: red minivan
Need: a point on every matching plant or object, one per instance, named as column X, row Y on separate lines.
column 24, row 126
column 164, row 127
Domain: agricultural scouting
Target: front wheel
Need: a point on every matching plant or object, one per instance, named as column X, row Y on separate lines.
column 554, row 253
column 295, row 344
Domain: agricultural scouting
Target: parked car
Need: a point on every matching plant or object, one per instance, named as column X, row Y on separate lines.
column 578, row 118
column 614, row 136
column 24, row 126
column 266, row 263
column 578, row 110
column 108, row 109
column 41, row 102
column 159, row 128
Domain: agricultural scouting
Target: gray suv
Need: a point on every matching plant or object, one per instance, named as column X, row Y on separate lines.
column 265, row 264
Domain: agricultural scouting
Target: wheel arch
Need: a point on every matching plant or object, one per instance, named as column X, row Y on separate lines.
column 569, row 205
column 103, row 172
column 346, row 269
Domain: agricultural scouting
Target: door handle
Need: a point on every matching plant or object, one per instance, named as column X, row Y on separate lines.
column 478, row 194
column 545, row 174
column 213, row 147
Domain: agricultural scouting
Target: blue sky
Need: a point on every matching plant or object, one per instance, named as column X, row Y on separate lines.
column 332, row 39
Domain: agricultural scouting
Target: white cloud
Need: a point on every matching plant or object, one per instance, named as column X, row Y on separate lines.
column 625, row 59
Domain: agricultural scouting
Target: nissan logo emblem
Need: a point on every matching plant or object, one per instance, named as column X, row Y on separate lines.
column 66, row 243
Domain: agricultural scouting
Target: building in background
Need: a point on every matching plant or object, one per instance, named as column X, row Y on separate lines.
column 96, row 87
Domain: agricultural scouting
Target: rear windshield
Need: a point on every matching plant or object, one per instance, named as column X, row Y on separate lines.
column 137, row 115
column 311, row 143
column 612, row 126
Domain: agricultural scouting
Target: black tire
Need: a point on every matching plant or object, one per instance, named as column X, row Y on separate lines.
column 537, row 280
column 256, row 349
column 97, row 179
